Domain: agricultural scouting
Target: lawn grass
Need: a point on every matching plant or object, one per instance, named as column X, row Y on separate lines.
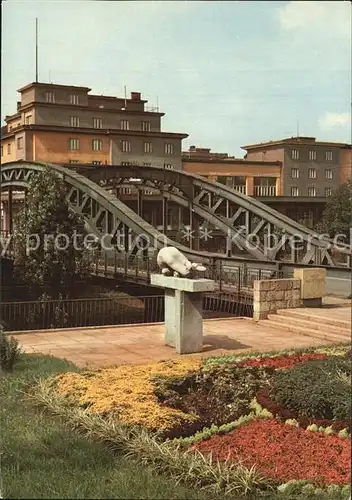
column 42, row 458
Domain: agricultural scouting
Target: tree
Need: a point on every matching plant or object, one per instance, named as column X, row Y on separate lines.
column 48, row 237
column 337, row 215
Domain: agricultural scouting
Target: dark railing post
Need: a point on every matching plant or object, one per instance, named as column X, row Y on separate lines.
column 96, row 263
column 105, row 263
column 220, row 275
column 278, row 270
column 148, row 268
column 245, row 275
column 115, row 262
column 136, row 259
column 239, row 279
column 126, row 265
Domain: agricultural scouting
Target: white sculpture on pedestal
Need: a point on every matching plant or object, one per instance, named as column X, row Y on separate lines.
column 172, row 262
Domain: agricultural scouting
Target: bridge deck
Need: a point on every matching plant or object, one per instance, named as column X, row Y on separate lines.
column 135, row 344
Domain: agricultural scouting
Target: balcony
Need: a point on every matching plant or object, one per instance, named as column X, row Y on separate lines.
column 264, row 190
column 240, row 189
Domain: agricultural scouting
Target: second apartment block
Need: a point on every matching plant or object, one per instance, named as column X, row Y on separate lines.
column 309, row 167
column 67, row 124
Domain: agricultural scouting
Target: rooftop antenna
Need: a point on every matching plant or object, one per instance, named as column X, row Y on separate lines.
column 297, row 128
column 125, row 88
column 36, row 50
column 157, row 104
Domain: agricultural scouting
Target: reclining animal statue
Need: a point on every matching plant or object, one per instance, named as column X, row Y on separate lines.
column 172, row 262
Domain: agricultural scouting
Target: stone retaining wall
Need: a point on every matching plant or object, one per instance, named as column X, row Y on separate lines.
column 271, row 295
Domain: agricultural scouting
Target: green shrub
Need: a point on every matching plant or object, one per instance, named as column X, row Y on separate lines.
column 315, row 388
column 9, row 352
column 217, row 394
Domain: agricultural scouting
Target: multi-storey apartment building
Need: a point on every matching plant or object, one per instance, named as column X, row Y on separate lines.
column 309, row 167
column 67, row 124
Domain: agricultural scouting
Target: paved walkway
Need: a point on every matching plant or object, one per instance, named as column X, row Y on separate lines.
column 134, row 344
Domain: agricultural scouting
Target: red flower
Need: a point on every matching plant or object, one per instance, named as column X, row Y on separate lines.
column 284, row 452
column 284, row 361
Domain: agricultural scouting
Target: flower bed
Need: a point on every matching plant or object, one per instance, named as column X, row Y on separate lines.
column 284, row 452
column 264, row 399
column 127, row 393
column 286, row 361
column 236, row 408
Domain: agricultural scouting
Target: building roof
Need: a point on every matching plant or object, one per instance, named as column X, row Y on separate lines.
column 293, row 141
column 231, row 161
column 56, row 85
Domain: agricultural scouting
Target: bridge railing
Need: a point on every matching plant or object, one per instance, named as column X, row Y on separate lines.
column 139, row 269
column 74, row 313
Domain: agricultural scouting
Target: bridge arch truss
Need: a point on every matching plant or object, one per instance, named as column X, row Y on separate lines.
column 250, row 228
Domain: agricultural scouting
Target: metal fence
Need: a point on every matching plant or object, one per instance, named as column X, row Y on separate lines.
column 38, row 315
column 229, row 278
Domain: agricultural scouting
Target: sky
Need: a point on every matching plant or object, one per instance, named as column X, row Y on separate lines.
column 226, row 73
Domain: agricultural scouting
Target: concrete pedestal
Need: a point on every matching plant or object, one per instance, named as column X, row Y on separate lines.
column 313, row 285
column 183, row 311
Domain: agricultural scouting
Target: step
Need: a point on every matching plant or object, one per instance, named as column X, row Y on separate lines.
column 313, row 325
column 299, row 314
column 332, row 337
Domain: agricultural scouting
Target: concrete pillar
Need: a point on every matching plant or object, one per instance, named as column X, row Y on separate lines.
column 249, row 186
column 10, row 213
column 183, row 311
column 5, row 221
column 164, row 212
column 140, row 203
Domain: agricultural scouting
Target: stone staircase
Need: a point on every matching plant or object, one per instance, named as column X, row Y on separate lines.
column 324, row 324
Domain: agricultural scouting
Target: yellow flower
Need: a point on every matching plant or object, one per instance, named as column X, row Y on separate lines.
column 128, row 392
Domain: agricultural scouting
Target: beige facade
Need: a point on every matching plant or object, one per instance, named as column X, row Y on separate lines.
column 64, row 124
column 248, row 177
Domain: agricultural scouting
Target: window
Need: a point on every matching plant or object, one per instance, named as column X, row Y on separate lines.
column 27, row 119
column 295, row 154
column 9, row 149
column 126, row 146
column 312, row 191
column 95, row 162
column 49, row 96
column 147, row 164
column 328, row 174
column 169, row 149
column 97, row 123
column 312, row 173
column 73, row 144
column 328, row 155
column 294, row 173
column 97, row 145
column 20, row 143
column 74, row 161
column 145, row 126
column 148, row 147
column 168, row 166
column 294, row 191
column 74, row 99
column 125, row 125
column 74, row 121
column 328, row 192
column 312, row 155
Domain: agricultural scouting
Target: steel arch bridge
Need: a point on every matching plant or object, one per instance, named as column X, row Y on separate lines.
column 245, row 222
